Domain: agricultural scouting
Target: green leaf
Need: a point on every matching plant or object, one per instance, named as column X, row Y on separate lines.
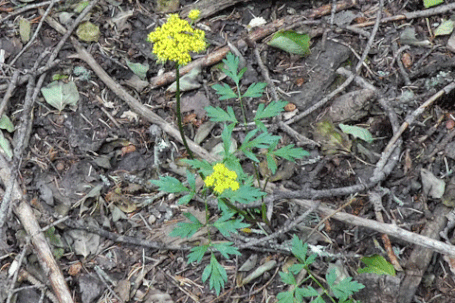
column 345, row 288
column 217, row 274
column 226, row 226
column 226, row 249
column 138, row 69
column 290, row 153
column 203, row 166
column 185, row 229
column 272, row 110
column 306, row 292
column 377, row 264
column 299, row 250
column 255, row 90
column 264, row 140
column 431, row 3
column 186, row 199
column 217, row 114
column 225, row 91
column 169, row 184
column 226, row 136
column 287, row 278
column 296, row 268
column 5, row 123
column 197, row 253
column 357, row 132
column 191, row 180
column 291, row 42
column 232, row 63
column 285, row 296
column 319, row 299
column 331, row 277
column 446, row 28
column 271, row 163
column 245, row 194
column 59, row 94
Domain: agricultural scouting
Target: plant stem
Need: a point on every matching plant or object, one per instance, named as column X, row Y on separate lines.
column 179, row 113
column 241, row 104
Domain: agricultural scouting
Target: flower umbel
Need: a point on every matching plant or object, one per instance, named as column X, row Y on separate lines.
column 222, row 178
column 175, row 39
column 194, row 14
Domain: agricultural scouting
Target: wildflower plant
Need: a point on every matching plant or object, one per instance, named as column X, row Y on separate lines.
column 341, row 290
column 226, row 180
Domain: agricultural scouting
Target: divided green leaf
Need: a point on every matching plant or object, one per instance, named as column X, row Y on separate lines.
column 272, row 110
column 217, row 114
column 245, row 194
column 377, row 264
column 226, row 249
column 186, row 229
column 226, row 226
column 255, row 90
column 217, row 274
column 225, row 91
column 197, row 253
column 170, row 185
column 345, row 288
column 290, row 153
column 202, row 166
column 232, row 63
column 287, row 278
column 185, row 199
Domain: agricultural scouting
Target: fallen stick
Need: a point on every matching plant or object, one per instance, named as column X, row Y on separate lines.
column 389, row 229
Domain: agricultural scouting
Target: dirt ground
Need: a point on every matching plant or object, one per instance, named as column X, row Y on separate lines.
column 80, row 220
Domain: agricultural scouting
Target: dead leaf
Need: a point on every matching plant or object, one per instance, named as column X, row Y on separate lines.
column 195, row 103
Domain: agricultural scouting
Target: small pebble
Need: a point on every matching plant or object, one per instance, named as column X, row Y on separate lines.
column 152, row 219
column 60, row 166
column 450, row 124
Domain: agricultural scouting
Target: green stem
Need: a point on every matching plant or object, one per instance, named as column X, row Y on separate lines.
column 241, row 104
column 319, row 284
column 179, row 113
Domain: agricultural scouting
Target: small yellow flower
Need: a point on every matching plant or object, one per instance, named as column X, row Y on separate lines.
column 194, row 14
column 175, row 40
column 222, row 178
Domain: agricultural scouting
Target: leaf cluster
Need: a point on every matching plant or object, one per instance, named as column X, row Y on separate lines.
column 340, row 290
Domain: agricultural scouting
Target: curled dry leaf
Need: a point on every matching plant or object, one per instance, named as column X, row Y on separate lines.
column 128, row 149
column 407, row 60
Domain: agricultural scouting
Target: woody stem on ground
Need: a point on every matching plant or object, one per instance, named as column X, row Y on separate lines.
column 179, row 113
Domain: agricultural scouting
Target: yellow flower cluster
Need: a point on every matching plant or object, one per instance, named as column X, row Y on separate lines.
column 175, row 39
column 222, row 178
column 194, row 14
